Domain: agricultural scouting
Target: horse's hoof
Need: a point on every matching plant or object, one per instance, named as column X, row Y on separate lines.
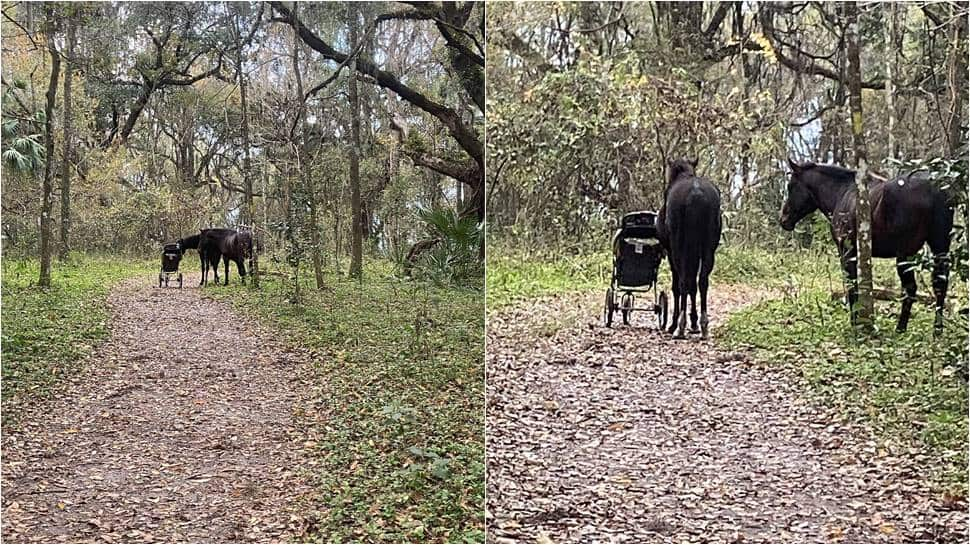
column 695, row 330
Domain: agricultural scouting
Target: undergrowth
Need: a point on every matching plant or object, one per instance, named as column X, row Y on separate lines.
column 398, row 403
column 47, row 332
column 911, row 387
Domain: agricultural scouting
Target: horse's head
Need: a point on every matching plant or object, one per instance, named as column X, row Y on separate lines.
column 800, row 201
column 678, row 167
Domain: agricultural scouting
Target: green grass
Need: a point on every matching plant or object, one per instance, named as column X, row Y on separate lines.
column 908, row 387
column 398, row 404
column 515, row 275
column 47, row 333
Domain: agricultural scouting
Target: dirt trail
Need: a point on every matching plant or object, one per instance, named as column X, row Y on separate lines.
column 179, row 429
column 626, row 435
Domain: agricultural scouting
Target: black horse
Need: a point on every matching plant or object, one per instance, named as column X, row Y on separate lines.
column 907, row 212
column 228, row 245
column 690, row 230
column 192, row 243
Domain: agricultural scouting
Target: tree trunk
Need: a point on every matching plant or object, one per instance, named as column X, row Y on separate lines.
column 249, row 215
column 304, row 169
column 891, row 59
column 67, row 160
column 864, row 311
column 356, row 259
column 956, row 82
column 47, row 186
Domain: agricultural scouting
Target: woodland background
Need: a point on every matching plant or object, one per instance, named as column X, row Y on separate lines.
column 349, row 137
column 588, row 100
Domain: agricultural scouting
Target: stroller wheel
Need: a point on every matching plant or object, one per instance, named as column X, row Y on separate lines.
column 661, row 310
column 626, row 307
column 608, row 308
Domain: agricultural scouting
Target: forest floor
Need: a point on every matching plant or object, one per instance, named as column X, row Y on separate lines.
column 626, row 435
column 179, row 427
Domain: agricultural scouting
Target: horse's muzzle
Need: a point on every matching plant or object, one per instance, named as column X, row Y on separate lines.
column 786, row 222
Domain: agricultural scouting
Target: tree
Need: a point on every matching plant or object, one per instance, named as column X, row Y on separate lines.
column 450, row 19
column 250, row 209
column 304, row 168
column 67, row 162
column 863, row 305
column 47, row 188
column 177, row 48
column 357, row 227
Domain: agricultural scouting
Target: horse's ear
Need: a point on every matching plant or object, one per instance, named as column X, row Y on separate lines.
column 693, row 162
column 794, row 166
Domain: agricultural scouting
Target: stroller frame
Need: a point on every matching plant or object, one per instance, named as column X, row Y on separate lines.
column 621, row 296
column 171, row 258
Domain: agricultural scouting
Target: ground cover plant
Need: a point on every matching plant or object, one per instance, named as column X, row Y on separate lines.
column 397, row 402
column 48, row 331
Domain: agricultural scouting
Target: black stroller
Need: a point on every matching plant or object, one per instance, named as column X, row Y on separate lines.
column 637, row 254
column 171, row 256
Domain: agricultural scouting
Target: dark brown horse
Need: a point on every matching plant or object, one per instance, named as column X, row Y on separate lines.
column 228, row 245
column 689, row 227
column 192, row 243
column 907, row 212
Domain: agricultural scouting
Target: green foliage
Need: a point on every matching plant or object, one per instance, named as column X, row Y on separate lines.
column 23, row 151
column 397, row 405
column 454, row 259
column 513, row 275
column 46, row 333
column 911, row 387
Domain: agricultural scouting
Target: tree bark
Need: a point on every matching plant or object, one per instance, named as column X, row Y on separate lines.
column 864, row 311
column 304, row 169
column 47, row 186
column 250, row 215
column 67, row 161
column 356, row 250
column 956, row 81
column 891, row 58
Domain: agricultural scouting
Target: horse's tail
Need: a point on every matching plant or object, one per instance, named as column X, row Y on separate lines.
column 698, row 233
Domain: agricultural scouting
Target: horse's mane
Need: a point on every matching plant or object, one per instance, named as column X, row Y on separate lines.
column 836, row 172
column 677, row 168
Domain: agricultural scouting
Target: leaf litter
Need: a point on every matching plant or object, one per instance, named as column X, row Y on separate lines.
column 179, row 429
column 627, row 435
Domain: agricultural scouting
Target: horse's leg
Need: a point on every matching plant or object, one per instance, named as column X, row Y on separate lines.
column 693, row 310
column 691, row 291
column 683, row 274
column 907, row 276
column 940, row 246
column 850, row 268
column 675, row 295
column 682, row 318
column 707, row 265
column 225, row 259
column 242, row 270
column 941, row 280
column 205, row 268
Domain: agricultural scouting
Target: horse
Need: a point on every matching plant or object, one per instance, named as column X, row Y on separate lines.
column 907, row 212
column 228, row 245
column 689, row 228
column 192, row 243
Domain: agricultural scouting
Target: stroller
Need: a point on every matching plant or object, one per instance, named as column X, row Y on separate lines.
column 171, row 256
column 637, row 254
